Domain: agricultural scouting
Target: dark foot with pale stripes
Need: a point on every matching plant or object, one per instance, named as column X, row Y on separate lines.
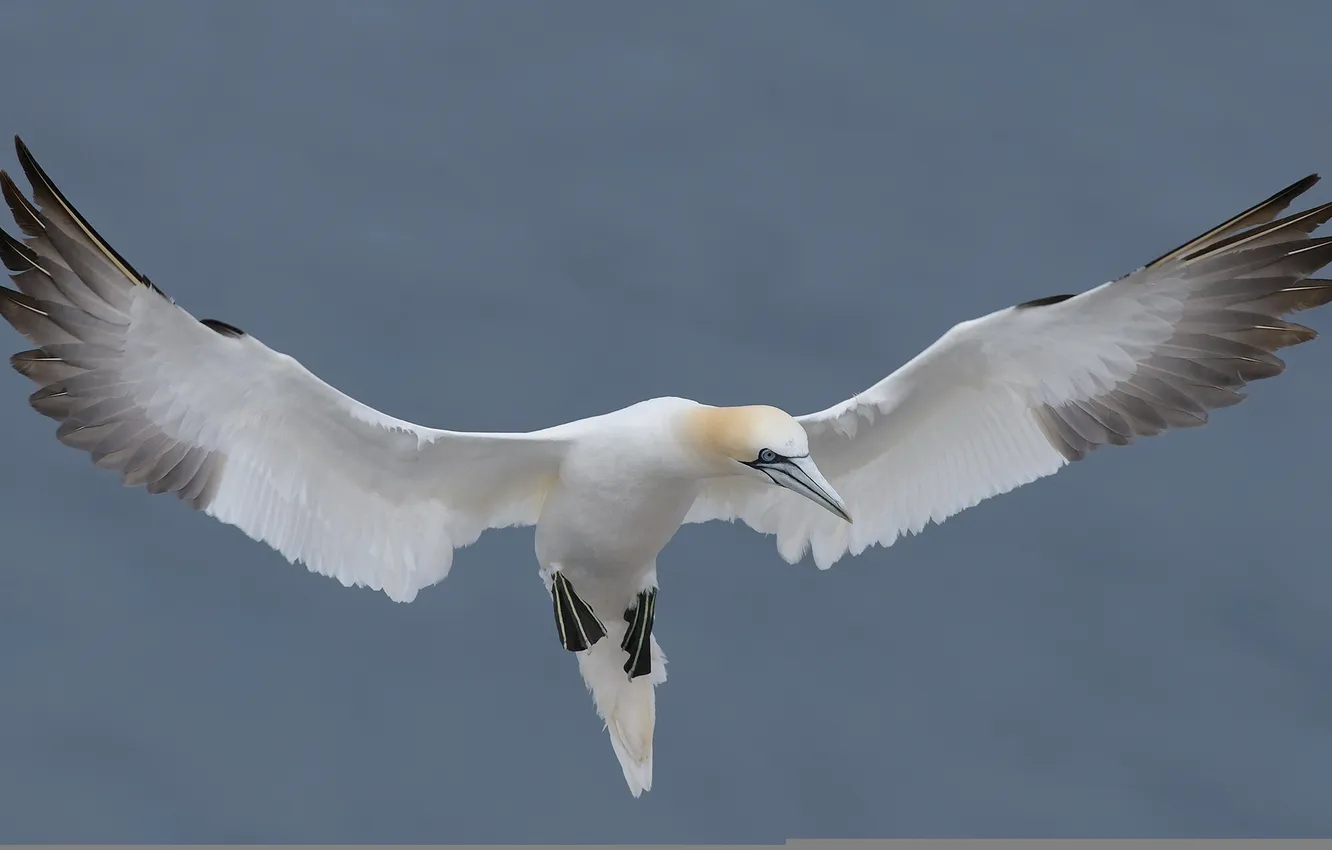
column 578, row 624
column 637, row 640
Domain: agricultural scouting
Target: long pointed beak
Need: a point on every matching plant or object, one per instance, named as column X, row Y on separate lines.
column 801, row 475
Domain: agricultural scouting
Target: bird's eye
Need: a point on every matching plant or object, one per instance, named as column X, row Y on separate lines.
column 767, row 456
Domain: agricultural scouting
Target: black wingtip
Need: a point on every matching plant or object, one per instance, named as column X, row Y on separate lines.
column 39, row 179
column 15, row 305
column 1310, row 219
column 28, row 161
column 1260, row 213
column 25, row 215
column 16, row 256
column 1288, row 194
column 1299, row 187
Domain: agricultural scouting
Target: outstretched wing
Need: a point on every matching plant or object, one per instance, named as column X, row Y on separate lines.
column 240, row 431
column 1013, row 396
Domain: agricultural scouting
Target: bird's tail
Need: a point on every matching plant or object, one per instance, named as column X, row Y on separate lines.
column 627, row 706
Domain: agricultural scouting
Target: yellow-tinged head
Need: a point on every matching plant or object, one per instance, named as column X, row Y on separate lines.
column 742, row 433
column 763, row 441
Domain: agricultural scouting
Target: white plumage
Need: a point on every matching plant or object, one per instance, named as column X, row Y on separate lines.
column 248, row 435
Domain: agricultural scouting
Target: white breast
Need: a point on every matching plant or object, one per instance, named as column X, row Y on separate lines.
column 612, row 511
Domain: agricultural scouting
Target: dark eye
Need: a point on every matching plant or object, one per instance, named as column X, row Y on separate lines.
column 767, row 456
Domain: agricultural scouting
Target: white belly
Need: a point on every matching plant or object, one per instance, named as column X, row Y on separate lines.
column 606, row 537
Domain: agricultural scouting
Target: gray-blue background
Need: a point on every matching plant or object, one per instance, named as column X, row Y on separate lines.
column 509, row 214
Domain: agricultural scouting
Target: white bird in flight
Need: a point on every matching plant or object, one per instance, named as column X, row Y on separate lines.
column 249, row 436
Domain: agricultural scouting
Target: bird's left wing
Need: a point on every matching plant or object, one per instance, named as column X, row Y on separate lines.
column 1013, row 396
column 243, row 432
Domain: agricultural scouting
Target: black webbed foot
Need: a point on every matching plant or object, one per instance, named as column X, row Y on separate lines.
column 577, row 623
column 637, row 640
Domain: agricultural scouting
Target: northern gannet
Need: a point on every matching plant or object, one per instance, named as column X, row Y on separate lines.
column 246, row 434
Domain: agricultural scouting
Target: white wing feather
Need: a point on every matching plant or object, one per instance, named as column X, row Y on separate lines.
column 1013, row 396
column 242, row 432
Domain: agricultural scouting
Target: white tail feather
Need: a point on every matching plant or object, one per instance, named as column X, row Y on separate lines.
column 628, row 707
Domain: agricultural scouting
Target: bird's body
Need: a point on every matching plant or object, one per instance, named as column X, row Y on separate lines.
column 615, row 504
column 249, row 436
column 625, row 483
column 619, row 497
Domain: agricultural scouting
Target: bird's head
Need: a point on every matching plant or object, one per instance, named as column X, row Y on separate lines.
column 766, row 443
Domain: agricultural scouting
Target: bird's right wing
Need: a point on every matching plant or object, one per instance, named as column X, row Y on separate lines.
column 243, row 432
column 1013, row 396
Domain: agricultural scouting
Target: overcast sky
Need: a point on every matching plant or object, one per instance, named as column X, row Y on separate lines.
column 484, row 215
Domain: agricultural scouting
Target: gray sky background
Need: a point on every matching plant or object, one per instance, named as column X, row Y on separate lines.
column 506, row 215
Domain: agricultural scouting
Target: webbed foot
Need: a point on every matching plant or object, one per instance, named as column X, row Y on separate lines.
column 576, row 621
column 638, row 639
